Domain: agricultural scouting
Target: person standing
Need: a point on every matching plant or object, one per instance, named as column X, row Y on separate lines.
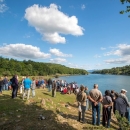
column 49, row 84
column 54, row 87
column 33, row 86
column 5, row 83
column 14, row 84
column 87, row 101
column 81, row 99
column 22, row 85
column 107, row 107
column 127, row 104
column 1, row 85
column 95, row 97
column 27, row 85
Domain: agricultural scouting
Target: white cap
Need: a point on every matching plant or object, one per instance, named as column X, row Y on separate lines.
column 124, row 90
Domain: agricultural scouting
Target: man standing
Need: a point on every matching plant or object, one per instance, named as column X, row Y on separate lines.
column 54, row 87
column 5, row 83
column 14, row 84
column 95, row 97
column 49, row 84
column 81, row 98
column 27, row 85
column 124, row 97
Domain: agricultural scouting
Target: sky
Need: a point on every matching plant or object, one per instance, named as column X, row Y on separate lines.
column 85, row 34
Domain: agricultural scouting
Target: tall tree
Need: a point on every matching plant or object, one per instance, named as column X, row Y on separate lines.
column 127, row 7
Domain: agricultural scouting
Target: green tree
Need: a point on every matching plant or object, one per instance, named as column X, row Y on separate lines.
column 127, row 7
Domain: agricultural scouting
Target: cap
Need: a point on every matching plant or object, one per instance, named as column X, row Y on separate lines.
column 124, row 90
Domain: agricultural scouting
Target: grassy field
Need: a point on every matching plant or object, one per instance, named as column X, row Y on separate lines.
column 61, row 113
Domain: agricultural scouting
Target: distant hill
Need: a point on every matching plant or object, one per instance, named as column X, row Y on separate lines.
column 125, row 70
column 11, row 67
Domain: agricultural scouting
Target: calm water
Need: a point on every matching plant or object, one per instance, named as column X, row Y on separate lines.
column 105, row 82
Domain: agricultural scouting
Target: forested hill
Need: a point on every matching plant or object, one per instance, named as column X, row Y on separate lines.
column 125, row 70
column 11, row 66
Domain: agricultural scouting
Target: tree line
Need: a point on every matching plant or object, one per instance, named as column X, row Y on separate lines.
column 125, row 70
column 11, row 66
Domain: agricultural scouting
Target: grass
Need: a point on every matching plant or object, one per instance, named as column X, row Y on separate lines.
column 61, row 113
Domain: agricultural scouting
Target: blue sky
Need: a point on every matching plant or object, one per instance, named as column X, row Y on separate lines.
column 87, row 34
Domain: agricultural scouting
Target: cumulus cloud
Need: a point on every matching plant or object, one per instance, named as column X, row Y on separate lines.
column 83, row 7
column 3, row 6
column 122, row 51
column 57, row 52
column 118, row 61
column 23, row 51
column 50, row 22
column 58, row 60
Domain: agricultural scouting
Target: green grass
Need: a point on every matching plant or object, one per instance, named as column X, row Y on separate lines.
column 18, row 114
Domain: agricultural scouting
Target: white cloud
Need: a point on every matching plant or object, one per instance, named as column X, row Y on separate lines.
column 83, row 7
column 102, row 48
column 118, row 61
column 57, row 52
column 23, row 51
column 1, row 0
column 122, row 51
column 3, row 8
column 58, row 60
column 97, row 56
column 50, row 22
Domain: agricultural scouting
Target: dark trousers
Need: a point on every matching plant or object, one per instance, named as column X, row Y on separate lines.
column 106, row 118
column 0, row 89
column 82, row 113
column 14, row 91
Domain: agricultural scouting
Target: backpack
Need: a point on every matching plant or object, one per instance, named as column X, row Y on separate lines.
column 12, row 82
column 79, row 97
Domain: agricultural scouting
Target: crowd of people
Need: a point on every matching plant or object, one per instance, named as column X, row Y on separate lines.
column 110, row 101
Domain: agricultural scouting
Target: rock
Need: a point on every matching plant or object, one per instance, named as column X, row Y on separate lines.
column 43, row 102
column 18, row 116
column 43, row 118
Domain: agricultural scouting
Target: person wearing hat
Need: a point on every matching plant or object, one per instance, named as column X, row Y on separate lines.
column 123, row 95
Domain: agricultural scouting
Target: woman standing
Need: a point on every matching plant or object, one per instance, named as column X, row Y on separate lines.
column 14, row 85
column 33, row 86
column 1, row 85
column 107, row 106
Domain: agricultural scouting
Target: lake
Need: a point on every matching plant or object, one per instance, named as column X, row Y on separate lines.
column 105, row 82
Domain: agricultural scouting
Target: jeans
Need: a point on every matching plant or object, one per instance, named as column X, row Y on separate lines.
column 5, row 86
column 26, row 91
column 33, row 92
column 83, row 109
column 127, row 115
column 49, row 87
column 96, row 110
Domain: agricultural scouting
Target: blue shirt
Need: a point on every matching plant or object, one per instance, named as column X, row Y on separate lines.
column 27, row 83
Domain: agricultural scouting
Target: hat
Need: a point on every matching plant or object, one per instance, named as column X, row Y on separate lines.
column 123, row 90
